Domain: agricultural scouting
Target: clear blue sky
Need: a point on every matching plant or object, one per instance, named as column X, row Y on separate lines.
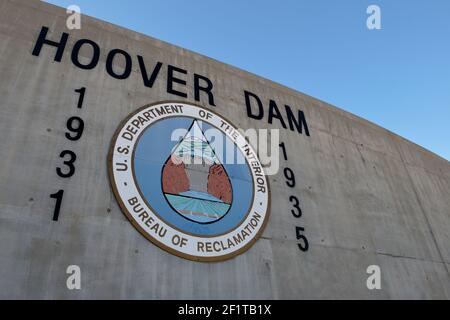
column 397, row 77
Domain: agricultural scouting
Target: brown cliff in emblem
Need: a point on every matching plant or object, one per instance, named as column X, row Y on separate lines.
column 175, row 179
column 218, row 184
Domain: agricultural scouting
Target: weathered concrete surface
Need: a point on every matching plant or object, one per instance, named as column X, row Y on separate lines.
column 368, row 196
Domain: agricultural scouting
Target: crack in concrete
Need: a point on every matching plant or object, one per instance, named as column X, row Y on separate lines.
column 408, row 257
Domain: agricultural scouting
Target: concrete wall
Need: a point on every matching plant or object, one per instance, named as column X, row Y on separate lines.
column 368, row 196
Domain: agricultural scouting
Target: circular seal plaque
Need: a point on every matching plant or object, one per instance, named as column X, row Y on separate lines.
column 189, row 181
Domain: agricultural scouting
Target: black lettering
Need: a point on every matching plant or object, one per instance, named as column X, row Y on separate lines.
column 77, row 130
column 95, row 54
column 207, row 89
column 260, row 114
column 300, row 123
column 61, row 45
column 290, row 177
column 110, row 61
column 274, row 112
column 69, row 163
column 58, row 197
column 171, row 79
column 148, row 82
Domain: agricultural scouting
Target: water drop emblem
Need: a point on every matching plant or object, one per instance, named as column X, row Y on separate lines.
column 194, row 181
column 188, row 196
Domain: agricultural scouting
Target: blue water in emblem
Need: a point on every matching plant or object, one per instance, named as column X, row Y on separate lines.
column 200, row 195
column 152, row 151
column 198, row 206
